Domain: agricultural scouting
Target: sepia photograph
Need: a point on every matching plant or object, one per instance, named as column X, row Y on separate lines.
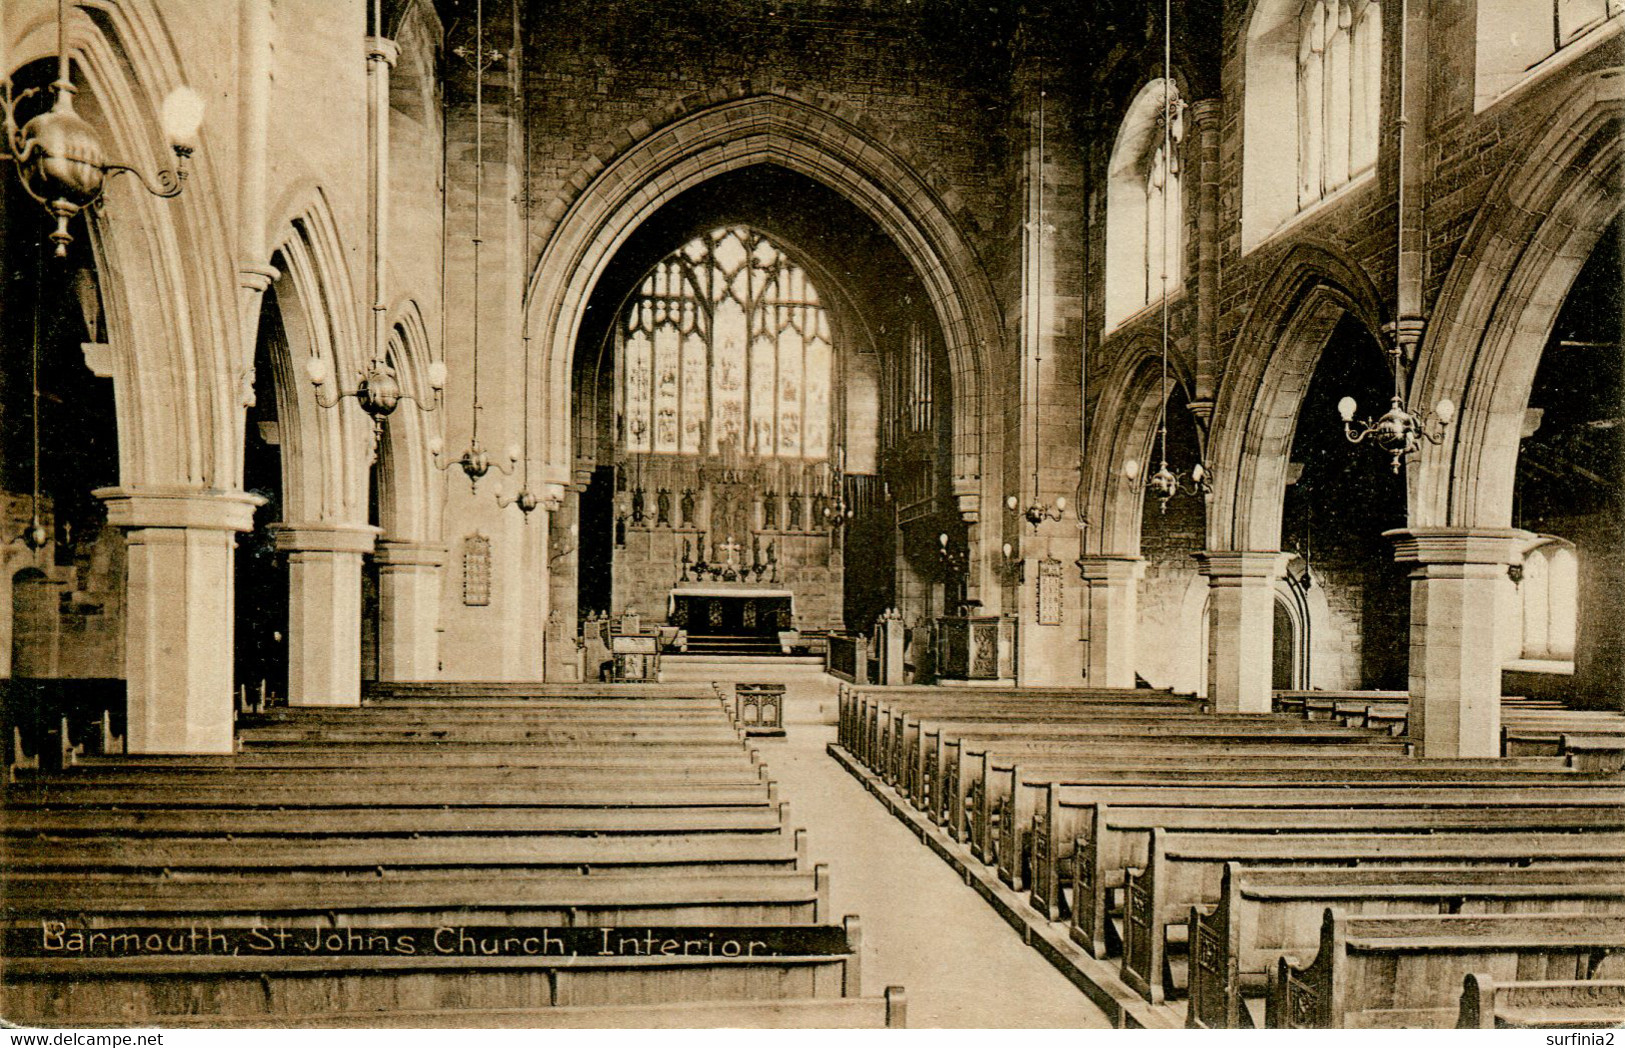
column 716, row 515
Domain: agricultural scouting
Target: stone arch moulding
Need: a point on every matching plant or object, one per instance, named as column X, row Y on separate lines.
column 165, row 267
column 1501, row 298
column 1125, row 427
column 1256, row 413
column 408, row 511
column 324, row 449
column 732, row 128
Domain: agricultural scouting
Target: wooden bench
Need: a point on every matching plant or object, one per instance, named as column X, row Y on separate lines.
column 843, row 1013
column 1066, row 813
column 1184, row 869
column 446, row 967
column 1264, row 913
column 1553, row 1004
column 541, row 897
column 1403, row 971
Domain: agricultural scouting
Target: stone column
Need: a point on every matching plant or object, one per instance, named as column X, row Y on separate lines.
column 1455, row 665
column 179, row 612
column 563, row 654
column 324, row 611
column 1241, row 625
column 1110, row 618
column 408, row 609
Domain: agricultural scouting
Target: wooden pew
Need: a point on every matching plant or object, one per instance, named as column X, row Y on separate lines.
column 1488, row 1003
column 431, row 795
column 540, row 897
column 1118, row 839
column 1403, row 971
column 844, row 1013
column 1264, row 913
column 1184, row 869
column 445, row 967
column 983, row 782
column 1066, row 813
column 393, row 821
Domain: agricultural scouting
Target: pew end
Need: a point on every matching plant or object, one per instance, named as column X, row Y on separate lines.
column 111, row 745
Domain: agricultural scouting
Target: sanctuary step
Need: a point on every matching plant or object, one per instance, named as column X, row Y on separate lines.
column 727, row 644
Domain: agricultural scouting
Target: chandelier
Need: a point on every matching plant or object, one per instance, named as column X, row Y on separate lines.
column 524, row 498
column 1165, row 484
column 60, row 158
column 475, row 460
column 34, row 536
column 1038, row 510
column 1401, row 429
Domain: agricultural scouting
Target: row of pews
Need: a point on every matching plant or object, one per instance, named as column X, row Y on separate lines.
column 1272, row 870
column 1529, row 726
column 448, row 855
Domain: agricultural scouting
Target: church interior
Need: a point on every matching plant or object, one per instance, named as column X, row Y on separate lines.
column 634, row 514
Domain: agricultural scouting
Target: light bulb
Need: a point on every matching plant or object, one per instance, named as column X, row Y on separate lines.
column 513, row 452
column 1446, row 410
column 1346, row 408
column 1060, row 503
column 1198, row 472
column 1008, row 550
column 317, row 369
column 436, row 446
column 1131, row 469
column 182, row 116
column 942, row 540
column 437, row 375
column 1011, row 503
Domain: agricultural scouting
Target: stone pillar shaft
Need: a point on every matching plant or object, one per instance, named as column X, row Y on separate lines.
column 324, row 611
column 1110, row 619
column 179, row 600
column 1455, row 663
column 408, row 610
column 1241, row 625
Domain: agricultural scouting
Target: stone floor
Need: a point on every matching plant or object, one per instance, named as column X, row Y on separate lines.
column 923, row 928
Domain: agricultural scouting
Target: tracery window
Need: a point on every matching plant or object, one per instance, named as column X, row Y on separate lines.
column 1516, row 36
column 726, row 349
column 1144, row 185
column 1339, row 91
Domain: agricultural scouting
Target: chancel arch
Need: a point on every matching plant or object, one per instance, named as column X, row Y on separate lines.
column 760, row 392
column 829, row 147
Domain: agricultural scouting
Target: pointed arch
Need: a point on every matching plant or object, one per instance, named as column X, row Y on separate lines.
column 1256, row 412
column 1501, row 298
column 812, row 136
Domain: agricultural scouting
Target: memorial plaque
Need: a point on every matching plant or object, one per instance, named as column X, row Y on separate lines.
column 476, row 571
column 1050, row 588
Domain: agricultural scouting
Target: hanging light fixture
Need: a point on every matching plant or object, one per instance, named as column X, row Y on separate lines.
column 525, row 499
column 1038, row 510
column 34, row 536
column 1165, row 484
column 835, row 510
column 60, row 158
column 1401, row 430
column 377, row 389
column 475, row 460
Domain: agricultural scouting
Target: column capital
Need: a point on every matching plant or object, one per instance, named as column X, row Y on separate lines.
column 383, row 48
column 1109, row 567
column 1424, row 545
column 1240, row 565
column 970, row 506
column 256, row 276
column 325, row 538
column 389, row 553
column 179, row 507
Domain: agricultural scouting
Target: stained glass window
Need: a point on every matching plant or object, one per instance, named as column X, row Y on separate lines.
column 726, row 348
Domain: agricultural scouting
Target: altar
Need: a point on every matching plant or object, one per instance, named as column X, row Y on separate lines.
column 736, row 609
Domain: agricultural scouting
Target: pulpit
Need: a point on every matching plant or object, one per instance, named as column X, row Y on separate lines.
column 979, row 647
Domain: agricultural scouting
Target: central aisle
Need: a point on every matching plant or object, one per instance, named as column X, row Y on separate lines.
column 923, row 928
